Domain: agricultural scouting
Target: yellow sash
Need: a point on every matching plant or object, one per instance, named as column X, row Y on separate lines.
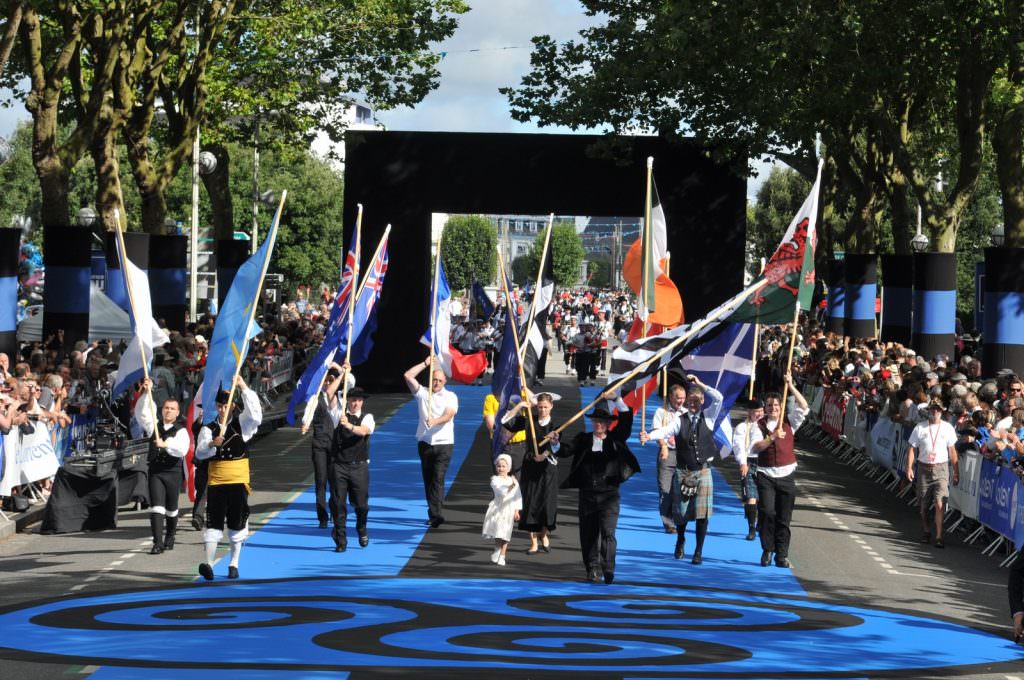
column 230, row 472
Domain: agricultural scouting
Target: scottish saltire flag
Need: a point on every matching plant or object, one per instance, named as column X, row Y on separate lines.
column 725, row 364
column 505, row 381
column 337, row 323
column 233, row 330
column 146, row 333
column 440, row 330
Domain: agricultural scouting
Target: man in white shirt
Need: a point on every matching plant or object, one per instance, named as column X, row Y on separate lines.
column 663, row 416
column 776, row 463
column 435, row 434
column 227, row 495
column 933, row 445
column 743, row 438
column 168, row 445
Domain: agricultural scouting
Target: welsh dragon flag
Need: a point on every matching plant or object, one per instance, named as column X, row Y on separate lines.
column 787, row 280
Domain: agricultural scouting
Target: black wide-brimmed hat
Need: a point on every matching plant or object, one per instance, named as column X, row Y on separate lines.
column 602, row 413
column 222, row 396
column 358, row 393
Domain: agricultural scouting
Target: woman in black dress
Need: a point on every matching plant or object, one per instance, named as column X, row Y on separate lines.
column 539, row 475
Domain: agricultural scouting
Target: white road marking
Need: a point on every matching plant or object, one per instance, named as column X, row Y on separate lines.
column 78, row 587
column 117, row 563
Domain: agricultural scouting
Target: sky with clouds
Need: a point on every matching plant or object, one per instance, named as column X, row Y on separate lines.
column 490, row 49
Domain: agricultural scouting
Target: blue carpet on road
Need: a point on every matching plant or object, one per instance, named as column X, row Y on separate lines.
column 318, row 612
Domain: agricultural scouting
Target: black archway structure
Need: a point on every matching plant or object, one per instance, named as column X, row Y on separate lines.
column 402, row 178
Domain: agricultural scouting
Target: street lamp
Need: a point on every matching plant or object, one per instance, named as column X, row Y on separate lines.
column 919, row 243
column 170, row 225
column 998, row 235
column 86, row 217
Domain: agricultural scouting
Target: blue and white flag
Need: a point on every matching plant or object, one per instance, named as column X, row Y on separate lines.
column 485, row 308
column 440, row 329
column 724, row 363
column 146, row 333
column 505, row 383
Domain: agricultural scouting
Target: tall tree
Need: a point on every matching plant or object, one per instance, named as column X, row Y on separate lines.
column 469, row 250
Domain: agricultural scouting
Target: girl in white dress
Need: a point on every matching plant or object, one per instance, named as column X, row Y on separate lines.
column 503, row 511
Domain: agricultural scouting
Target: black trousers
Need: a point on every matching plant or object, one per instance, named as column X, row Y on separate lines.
column 351, row 480
column 434, row 462
column 599, row 516
column 585, row 369
column 775, row 500
column 165, row 486
column 202, row 477
column 542, row 362
column 320, row 479
column 227, row 503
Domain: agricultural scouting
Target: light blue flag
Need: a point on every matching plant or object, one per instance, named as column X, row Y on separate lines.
column 233, row 330
column 724, row 363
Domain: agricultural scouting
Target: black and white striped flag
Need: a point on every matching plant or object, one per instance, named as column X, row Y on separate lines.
column 537, row 336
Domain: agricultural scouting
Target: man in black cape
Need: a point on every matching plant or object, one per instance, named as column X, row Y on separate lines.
column 601, row 461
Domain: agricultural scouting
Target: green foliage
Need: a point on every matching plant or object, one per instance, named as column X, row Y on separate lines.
column 469, row 250
column 778, row 200
column 524, row 269
column 974, row 235
column 567, row 254
column 599, row 273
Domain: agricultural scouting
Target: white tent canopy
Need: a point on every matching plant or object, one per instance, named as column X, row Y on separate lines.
column 107, row 321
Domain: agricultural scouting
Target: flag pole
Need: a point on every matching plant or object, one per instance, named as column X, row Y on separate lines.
column 131, row 302
column 433, row 327
column 521, row 351
column 753, row 359
column 351, row 305
column 252, row 307
column 362, row 285
column 664, row 371
column 645, row 282
column 644, row 365
column 515, row 338
column 789, row 362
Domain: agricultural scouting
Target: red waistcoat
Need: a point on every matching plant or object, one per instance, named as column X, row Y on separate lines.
column 780, row 452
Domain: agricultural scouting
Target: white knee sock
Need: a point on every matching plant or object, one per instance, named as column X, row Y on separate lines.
column 236, row 550
column 211, row 551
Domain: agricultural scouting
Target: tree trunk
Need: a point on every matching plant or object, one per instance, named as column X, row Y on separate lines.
column 218, row 189
column 50, row 170
column 10, row 32
column 104, row 155
column 154, row 200
column 1008, row 134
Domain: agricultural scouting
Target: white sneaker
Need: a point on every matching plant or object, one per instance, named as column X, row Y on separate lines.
column 501, row 560
column 496, row 555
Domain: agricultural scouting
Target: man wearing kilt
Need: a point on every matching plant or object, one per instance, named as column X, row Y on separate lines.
column 692, row 486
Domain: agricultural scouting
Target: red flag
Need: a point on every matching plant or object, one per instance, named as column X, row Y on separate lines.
column 467, row 367
column 650, row 388
column 190, row 470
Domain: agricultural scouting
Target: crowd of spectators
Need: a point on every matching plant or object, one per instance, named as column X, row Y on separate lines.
column 50, row 382
column 892, row 380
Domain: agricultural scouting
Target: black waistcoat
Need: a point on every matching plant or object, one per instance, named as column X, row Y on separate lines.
column 349, row 447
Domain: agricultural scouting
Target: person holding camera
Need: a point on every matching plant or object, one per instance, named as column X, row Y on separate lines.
column 933, row 445
column 692, row 485
column 168, row 445
column 227, row 493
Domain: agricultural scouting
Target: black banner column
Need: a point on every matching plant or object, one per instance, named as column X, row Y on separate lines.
column 68, row 265
column 231, row 254
column 897, row 298
column 10, row 251
column 860, row 289
column 136, row 244
column 836, row 297
column 934, row 304
column 1004, row 310
column 168, row 258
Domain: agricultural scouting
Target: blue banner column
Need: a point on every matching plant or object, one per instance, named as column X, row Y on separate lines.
column 231, row 254
column 979, row 297
column 1004, row 310
column 67, row 261
column 168, row 258
column 934, row 304
column 897, row 298
column 10, row 251
column 136, row 244
column 836, row 297
column 860, row 287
